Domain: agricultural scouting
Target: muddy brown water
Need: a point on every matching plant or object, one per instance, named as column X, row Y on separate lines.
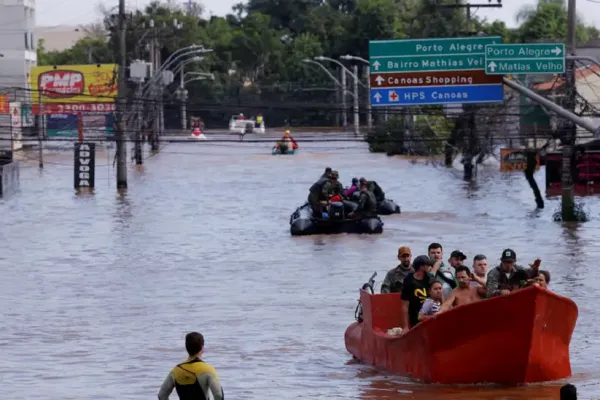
column 98, row 292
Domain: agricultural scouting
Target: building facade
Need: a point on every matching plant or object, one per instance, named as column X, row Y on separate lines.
column 17, row 42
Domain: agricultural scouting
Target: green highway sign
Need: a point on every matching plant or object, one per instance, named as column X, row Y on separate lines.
column 421, row 55
column 531, row 58
column 429, row 63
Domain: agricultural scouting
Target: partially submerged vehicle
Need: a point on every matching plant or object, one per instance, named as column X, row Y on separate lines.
column 242, row 125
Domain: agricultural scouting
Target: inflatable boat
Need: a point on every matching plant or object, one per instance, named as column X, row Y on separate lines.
column 520, row 338
column 385, row 207
column 276, row 151
column 302, row 221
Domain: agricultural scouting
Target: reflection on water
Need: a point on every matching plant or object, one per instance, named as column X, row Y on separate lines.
column 103, row 288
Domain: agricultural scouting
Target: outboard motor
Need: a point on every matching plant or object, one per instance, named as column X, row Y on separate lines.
column 249, row 128
column 336, row 211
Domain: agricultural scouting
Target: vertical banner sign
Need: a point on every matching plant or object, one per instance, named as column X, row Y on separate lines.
column 16, row 126
column 85, row 165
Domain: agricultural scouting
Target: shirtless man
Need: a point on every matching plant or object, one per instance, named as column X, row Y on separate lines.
column 464, row 293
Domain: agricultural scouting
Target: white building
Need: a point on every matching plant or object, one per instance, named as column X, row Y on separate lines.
column 17, row 42
column 60, row 37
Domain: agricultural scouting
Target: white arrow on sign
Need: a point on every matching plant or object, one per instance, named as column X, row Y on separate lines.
column 492, row 66
column 379, row 80
column 377, row 97
column 556, row 51
column 376, row 65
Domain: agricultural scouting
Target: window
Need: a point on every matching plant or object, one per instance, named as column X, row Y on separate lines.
column 26, row 40
column 32, row 40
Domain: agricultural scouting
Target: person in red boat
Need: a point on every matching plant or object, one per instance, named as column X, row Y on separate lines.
column 509, row 276
column 542, row 279
column 432, row 305
column 464, row 293
column 414, row 291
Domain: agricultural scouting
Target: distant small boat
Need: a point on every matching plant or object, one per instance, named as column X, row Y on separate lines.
column 276, row 151
column 197, row 134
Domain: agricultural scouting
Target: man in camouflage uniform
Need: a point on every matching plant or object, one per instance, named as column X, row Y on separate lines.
column 395, row 278
column 316, row 192
column 331, row 183
column 375, row 189
column 508, row 276
column 367, row 205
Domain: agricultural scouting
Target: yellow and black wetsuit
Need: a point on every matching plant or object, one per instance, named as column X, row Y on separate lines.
column 192, row 379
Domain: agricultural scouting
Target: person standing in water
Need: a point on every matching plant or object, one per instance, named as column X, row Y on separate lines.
column 193, row 379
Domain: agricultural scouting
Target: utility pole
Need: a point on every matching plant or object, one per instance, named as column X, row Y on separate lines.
column 344, row 99
column 471, row 138
column 369, row 112
column 139, row 160
column 155, row 60
column 356, row 110
column 570, row 130
column 121, row 103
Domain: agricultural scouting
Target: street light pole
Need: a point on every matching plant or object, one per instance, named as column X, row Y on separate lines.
column 349, row 57
column 121, row 103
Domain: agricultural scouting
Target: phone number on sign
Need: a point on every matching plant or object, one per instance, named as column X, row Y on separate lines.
column 82, row 107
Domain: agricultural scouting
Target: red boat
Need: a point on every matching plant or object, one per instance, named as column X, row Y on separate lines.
column 520, row 338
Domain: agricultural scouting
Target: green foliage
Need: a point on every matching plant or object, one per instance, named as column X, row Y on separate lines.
column 400, row 135
column 259, row 47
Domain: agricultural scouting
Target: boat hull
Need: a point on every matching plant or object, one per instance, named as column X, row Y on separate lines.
column 516, row 339
column 287, row 153
column 302, row 223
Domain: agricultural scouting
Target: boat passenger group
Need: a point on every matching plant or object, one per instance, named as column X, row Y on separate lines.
column 328, row 189
column 428, row 286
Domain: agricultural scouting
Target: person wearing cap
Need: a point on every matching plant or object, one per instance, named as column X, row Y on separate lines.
column 414, row 291
column 508, row 276
column 331, row 183
column 367, row 205
column 315, row 194
column 395, row 278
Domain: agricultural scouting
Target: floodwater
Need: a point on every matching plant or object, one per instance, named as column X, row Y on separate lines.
column 98, row 292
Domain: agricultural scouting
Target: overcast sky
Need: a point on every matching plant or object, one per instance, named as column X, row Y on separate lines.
column 75, row 12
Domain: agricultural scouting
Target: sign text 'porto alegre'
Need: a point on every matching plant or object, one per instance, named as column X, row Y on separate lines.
column 532, row 58
column 432, row 71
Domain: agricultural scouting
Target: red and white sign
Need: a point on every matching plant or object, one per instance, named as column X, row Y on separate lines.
column 393, row 96
column 85, row 108
column 58, row 84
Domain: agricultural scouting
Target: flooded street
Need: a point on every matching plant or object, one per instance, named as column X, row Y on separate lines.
column 98, row 292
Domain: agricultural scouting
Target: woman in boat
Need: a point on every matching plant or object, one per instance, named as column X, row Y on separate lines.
column 542, row 279
column 353, row 188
